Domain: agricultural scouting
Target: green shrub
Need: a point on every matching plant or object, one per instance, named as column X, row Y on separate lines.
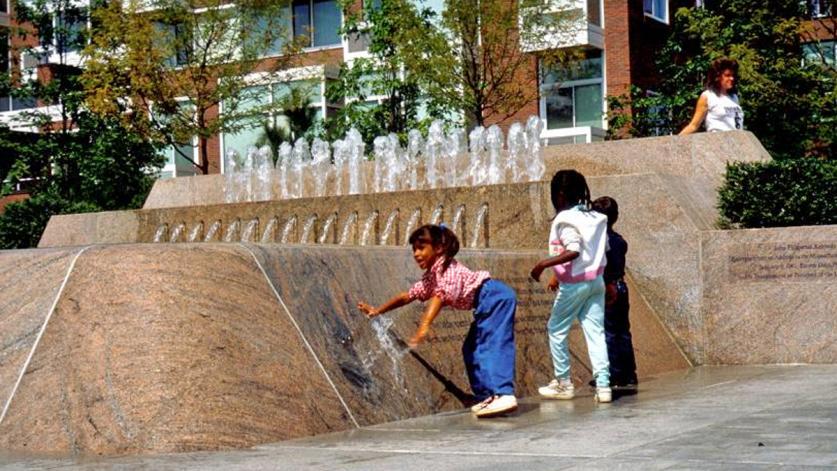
column 22, row 223
column 793, row 192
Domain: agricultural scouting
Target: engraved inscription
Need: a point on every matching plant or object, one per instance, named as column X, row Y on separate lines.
column 804, row 261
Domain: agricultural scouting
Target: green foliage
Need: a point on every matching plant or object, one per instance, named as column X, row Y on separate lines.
column 79, row 161
column 791, row 192
column 301, row 121
column 179, row 61
column 22, row 223
column 789, row 105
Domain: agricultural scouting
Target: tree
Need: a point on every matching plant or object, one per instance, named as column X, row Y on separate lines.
column 790, row 104
column 174, row 62
column 387, row 27
column 78, row 161
column 478, row 62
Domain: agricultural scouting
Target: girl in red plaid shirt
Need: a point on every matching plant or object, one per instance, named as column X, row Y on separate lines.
column 489, row 349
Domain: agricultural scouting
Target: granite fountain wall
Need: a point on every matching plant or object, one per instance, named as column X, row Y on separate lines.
column 110, row 346
column 137, row 347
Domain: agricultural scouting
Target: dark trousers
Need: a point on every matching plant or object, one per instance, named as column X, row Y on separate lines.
column 489, row 350
column 620, row 349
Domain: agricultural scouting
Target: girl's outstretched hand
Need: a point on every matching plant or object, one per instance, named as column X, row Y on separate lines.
column 368, row 310
column 553, row 283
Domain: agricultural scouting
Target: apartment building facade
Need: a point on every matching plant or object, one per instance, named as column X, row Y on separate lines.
column 618, row 41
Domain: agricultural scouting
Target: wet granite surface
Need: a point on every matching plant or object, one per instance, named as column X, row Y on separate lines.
column 708, row 418
column 180, row 347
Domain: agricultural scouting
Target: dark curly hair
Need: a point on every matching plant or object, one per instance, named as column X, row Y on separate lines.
column 607, row 206
column 716, row 69
column 572, row 185
column 437, row 236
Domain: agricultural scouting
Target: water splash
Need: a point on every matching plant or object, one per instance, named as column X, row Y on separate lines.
column 232, row 231
column 230, row 168
column 269, row 234
column 177, row 232
column 434, row 151
column 516, row 144
column 536, row 167
column 160, row 233
column 356, row 147
column 307, row 228
column 283, row 165
column 412, row 223
column 350, row 223
column 327, row 229
column 290, row 224
column 264, row 174
column 494, row 145
column 476, row 146
column 321, row 156
column 393, row 216
column 195, row 233
column 250, row 230
column 479, row 224
column 381, row 326
column 415, row 143
column 212, row 232
column 367, row 227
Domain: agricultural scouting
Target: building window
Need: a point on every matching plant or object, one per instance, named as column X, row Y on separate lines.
column 70, row 30
column 820, row 8
column 823, row 52
column 317, row 21
column 252, row 129
column 594, row 12
column 4, row 6
column 574, row 96
column 657, row 9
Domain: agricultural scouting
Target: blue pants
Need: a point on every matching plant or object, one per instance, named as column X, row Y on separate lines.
column 489, row 349
column 584, row 300
column 620, row 349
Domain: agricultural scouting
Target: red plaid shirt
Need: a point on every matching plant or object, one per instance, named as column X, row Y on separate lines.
column 456, row 286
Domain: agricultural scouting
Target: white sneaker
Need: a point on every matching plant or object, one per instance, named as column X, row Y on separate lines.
column 482, row 404
column 556, row 389
column 603, row 395
column 495, row 405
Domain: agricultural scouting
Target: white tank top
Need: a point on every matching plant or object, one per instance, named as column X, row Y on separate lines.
column 724, row 113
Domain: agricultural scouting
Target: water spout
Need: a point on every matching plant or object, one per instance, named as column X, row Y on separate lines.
column 307, row 229
column 412, row 224
column 479, row 226
column 290, row 224
column 231, row 235
column 436, row 215
column 212, row 232
column 324, row 235
column 350, row 224
column 368, row 225
column 250, row 230
column 456, row 225
column 177, row 232
column 160, row 233
column 269, row 234
column 389, row 227
column 195, row 233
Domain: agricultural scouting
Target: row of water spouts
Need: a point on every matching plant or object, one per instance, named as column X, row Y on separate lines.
column 442, row 160
column 271, row 233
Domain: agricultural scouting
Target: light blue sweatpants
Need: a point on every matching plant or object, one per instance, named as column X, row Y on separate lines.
column 584, row 300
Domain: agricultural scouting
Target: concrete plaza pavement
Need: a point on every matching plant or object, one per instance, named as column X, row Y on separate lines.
column 731, row 417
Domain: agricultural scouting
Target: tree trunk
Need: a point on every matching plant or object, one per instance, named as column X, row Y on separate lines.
column 203, row 149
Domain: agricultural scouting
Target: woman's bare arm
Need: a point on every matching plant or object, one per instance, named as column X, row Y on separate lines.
column 700, row 113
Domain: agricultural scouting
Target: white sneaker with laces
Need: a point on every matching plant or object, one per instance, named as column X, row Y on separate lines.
column 558, row 389
column 603, row 395
column 496, row 405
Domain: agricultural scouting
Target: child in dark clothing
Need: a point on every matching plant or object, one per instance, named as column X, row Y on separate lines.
column 617, row 326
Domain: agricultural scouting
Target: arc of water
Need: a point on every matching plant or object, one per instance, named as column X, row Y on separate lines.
column 388, row 228
column 177, row 232
column 479, row 225
column 307, row 228
column 250, row 230
column 412, row 223
column 286, row 230
column 160, row 233
column 367, row 227
column 232, row 231
column 436, row 216
column 457, row 221
column 351, row 221
column 195, row 233
column 212, row 231
column 327, row 228
column 269, row 234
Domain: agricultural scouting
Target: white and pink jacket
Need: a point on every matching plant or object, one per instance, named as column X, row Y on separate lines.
column 583, row 231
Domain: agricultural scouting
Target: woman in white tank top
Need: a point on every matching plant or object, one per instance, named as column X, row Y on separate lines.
column 718, row 108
